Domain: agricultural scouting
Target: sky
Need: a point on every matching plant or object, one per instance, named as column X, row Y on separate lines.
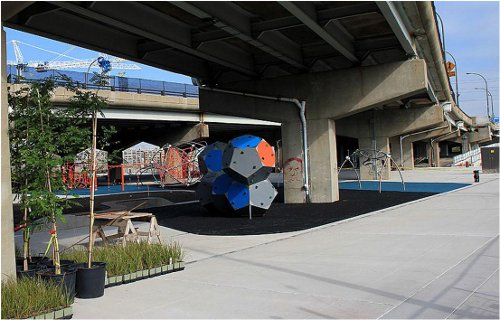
column 471, row 32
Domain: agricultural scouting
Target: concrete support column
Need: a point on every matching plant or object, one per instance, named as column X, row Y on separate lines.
column 323, row 161
column 428, row 151
column 407, row 160
column 466, row 143
column 8, row 252
column 367, row 169
column 435, row 150
column 293, row 162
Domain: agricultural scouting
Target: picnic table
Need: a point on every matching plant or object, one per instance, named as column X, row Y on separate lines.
column 126, row 229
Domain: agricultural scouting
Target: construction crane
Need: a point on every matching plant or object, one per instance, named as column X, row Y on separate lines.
column 74, row 63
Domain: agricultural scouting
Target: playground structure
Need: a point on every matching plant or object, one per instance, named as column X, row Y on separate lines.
column 375, row 160
column 172, row 165
column 236, row 176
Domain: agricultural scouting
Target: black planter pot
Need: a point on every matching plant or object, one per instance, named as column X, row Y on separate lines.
column 34, row 260
column 90, row 281
column 33, row 268
column 63, row 263
column 67, row 279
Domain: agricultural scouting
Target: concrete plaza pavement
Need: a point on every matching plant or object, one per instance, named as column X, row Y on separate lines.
column 436, row 257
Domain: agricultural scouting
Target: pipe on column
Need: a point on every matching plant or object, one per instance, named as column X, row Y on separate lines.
column 401, row 138
column 301, row 105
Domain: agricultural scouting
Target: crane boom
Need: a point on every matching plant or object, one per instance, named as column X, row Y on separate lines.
column 74, row 63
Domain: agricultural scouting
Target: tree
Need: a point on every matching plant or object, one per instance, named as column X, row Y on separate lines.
column 42, row 138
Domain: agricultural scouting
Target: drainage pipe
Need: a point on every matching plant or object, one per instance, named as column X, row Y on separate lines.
column 401, row 138
column 301, row 105
column 440, row 137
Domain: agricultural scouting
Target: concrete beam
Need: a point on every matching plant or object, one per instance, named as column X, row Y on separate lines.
column 187, row 133
column 306, row 13
column 180, row 39
column 241, row 106
column 442, row 129
column 8, row 251
column 330, row 94
column 482, row 134
column 391, row 122
column 134, row 100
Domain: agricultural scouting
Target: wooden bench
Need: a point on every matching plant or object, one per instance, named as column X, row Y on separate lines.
column 126, row 230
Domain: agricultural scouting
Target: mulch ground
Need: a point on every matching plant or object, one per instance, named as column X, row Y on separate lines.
column 281, row 217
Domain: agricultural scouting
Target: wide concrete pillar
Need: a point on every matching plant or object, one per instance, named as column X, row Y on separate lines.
column 322, row 161
column 8, row 251
column 406, row 160
column 434, row 152
column 428, row 152
column 293, row 162
column 368, row 169
column 465, row 143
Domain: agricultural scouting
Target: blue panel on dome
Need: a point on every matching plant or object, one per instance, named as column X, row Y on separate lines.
column 238, row 195
column 221, row 184
column 246, row 141
column 213, row 160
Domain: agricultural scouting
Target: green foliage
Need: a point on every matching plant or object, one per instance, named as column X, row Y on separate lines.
column 31, row 296
column 131, row 258
column 42, row 138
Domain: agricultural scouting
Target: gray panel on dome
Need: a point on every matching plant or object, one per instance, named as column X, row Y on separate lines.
column 260, row 175
column 262, row 194
column 244, row 163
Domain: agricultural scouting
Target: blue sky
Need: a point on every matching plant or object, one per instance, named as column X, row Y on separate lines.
column 472, row 37
column 471, row 31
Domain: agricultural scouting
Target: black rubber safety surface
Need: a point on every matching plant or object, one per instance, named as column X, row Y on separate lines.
column 280, row 217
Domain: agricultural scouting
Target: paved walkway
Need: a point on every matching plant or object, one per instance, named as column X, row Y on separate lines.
column 434, row 258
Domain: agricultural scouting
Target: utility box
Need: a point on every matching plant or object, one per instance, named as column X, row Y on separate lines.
column 490, row 159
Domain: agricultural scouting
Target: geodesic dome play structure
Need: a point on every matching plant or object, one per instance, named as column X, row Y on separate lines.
column 236, row 176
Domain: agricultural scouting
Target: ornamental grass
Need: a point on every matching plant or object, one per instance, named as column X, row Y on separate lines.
column 131, row 258
column 28, row 297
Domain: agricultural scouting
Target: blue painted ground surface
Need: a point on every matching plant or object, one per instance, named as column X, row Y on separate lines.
column 114, row 189
column 397, row 186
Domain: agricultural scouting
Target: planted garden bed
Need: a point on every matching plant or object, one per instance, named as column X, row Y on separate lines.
column 34, row 298
column 133, row 262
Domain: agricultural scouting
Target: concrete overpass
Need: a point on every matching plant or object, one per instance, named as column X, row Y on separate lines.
column 310, row 65
column 161, row 118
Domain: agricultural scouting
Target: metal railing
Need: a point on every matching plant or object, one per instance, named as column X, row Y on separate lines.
column 114, row 83
column 473, row 156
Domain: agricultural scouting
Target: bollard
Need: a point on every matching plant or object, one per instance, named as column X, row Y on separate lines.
column 476, row 175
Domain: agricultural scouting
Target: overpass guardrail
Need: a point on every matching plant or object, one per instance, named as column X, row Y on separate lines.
column 115, row 83
column 473, row 156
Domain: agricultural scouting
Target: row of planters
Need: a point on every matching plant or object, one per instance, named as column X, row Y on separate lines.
column 40, row 293
column 133, row 262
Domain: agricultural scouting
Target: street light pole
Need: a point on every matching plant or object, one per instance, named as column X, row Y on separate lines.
column 442, row 32
column 486, row 92
column 491, row 99
column 456, row 76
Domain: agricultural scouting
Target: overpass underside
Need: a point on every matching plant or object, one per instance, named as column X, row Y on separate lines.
column 366, row 70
